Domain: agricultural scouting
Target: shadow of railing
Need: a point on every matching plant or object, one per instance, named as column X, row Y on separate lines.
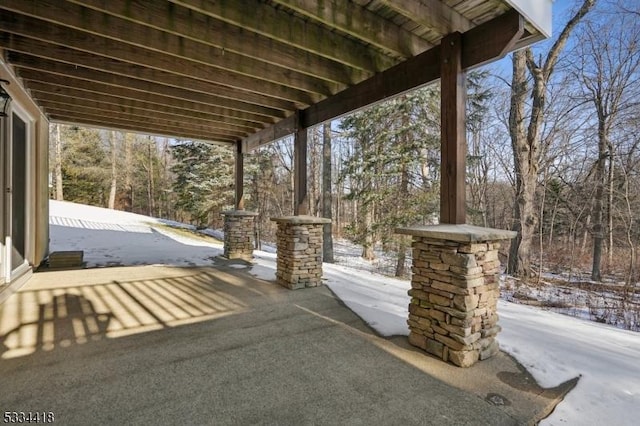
column 58, row 317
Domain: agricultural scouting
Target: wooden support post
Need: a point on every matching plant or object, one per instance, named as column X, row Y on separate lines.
column 300, row 170
column 453, row 132
column 239, row 175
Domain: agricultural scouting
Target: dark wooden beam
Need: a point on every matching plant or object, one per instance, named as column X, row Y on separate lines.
column 158, row 119
column 362, row 24
column 284, row 128
column 23, row 51
column 102, row 123
column 293, row 30
column 27, row 68
column 410, row 74
column 239, row 176
column 66, row 82
column 434, row 14
column 453, row 132
column 204, row 67
column 43, row 99
column 491, row 40
column 300, row 170
column 154, row 126
column 181, row 21
column 80, row 22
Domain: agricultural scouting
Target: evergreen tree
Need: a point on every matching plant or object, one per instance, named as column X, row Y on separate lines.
column 85, row 166
column 392, row 172
column 203, row 180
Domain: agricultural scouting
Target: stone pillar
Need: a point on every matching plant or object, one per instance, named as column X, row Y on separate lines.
column 454, row 291
column 239, row 234
column 299, row 241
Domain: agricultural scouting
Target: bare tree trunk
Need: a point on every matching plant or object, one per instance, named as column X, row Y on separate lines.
column 526, row 165
column 585, row 234
column 58, row 165
column 327, row 248
column 610, row 179
column 114, row 170
column 402, row 257
column 150, row 188
column 598, row 225
column 128, row 172
column 527, row 149
column 367, row 247
column 166, row 205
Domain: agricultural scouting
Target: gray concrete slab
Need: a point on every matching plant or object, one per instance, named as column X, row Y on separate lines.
column 161, row 345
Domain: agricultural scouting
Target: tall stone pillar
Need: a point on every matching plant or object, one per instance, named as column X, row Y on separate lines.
column 454, row 291
column 299, row 243
column 239, row 234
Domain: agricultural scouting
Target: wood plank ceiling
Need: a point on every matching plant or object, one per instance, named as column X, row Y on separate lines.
column 220, row 70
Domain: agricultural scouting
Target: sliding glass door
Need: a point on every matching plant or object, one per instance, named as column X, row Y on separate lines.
column 18, row 198
column 13, row 225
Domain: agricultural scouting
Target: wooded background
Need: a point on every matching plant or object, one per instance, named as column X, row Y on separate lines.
column 553, row 153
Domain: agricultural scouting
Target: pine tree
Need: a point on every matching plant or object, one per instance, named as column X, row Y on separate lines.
column 204, row 180
column 85, row 166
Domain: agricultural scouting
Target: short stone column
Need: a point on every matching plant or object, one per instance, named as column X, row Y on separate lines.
column 454, row 291
column 299, row 243
column 239, row 234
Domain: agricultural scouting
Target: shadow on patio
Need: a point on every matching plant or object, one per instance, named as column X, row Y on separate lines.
column 56, row 315
column 217, row 346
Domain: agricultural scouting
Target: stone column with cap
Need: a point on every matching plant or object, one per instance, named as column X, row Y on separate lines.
column 299, row 244
column 239, row 226
column 454, row 291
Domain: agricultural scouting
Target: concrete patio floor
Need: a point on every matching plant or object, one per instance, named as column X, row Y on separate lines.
column 165, row 345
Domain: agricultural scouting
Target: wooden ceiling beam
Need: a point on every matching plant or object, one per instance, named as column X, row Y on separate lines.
column 63, row 69
column 77, row 22
column 486, row 42
column 362, row 24
column 96, row 107
column 107, row 123
column 75, row 39
column 434, row 14
column 53, row 108
column 181, row 21
column 296, row 31
column 63, row 84
column 143, row 109
column 22, row 50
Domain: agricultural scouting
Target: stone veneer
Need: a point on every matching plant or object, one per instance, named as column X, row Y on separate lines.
column 454, row 291
column 239, row 234
column 299, row 242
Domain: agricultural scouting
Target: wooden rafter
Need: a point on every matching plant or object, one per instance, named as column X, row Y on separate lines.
column 29, row 53
column 361, row 23
column 298, row 32
column 434, row 14
column 63, row 84
column 245, row 65
column 30, row 69
column 136, row 108
column 157, row 59
column 74, row 23
column 415, row 72
column 108, row 122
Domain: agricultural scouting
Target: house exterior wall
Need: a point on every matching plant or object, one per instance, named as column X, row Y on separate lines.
column 36, row 197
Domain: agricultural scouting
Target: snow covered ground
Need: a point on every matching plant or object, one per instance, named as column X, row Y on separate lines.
column 121, row 238
column 553, row 347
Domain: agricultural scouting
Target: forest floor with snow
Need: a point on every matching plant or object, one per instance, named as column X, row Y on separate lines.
column 552, row 346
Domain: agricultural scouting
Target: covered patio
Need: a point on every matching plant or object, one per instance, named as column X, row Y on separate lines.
column 218, row 346
column 246, row 73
